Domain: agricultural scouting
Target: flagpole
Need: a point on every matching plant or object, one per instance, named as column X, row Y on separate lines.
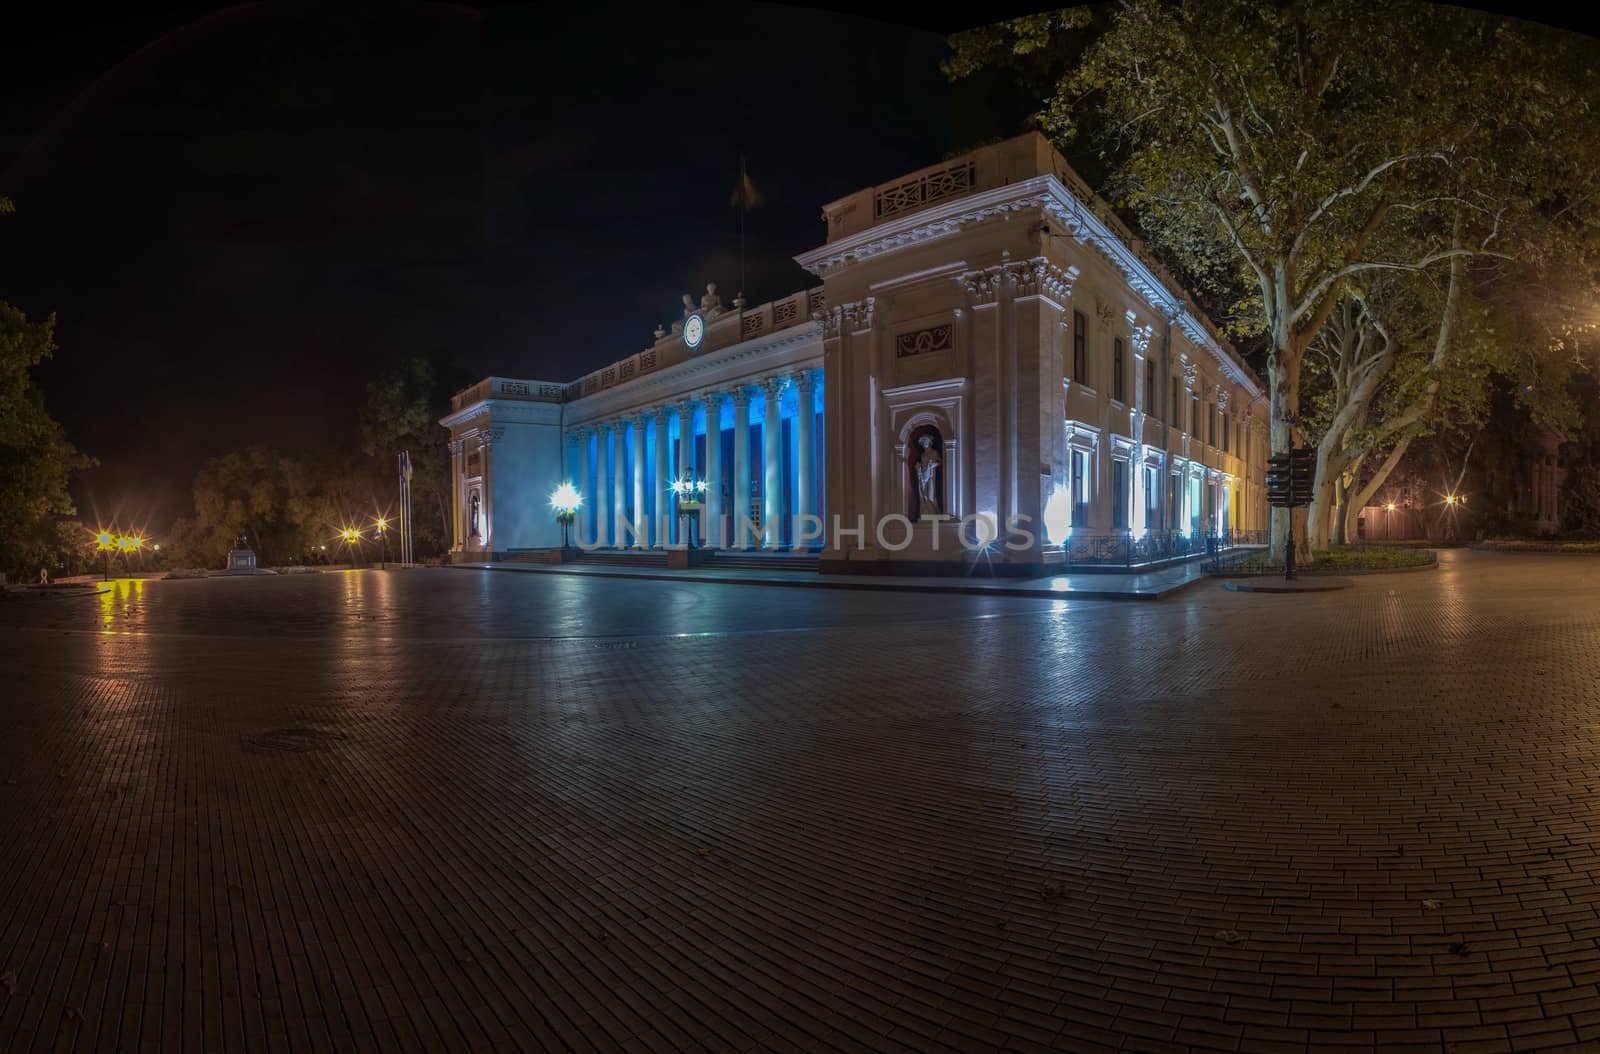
column 744, row 203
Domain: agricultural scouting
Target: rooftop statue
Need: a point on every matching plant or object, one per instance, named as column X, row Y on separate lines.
column 688, row 305
column 711, row 303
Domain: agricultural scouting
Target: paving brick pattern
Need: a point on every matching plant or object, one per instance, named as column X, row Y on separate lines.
column 440, row 810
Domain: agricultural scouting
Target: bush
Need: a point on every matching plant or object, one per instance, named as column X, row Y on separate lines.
column 1336, row 560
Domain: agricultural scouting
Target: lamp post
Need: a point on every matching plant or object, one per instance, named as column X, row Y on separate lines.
column 352, row 537
column 690, row 496
column 105, row 542
column 566, row 500
column 382, row 527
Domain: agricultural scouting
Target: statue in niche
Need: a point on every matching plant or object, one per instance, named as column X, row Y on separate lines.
column 472, row 515
column 925, row 467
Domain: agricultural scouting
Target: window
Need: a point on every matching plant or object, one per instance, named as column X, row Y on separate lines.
column 1211, row 424
column 1150, row 386
column 1119, row 494
column 1152, row 497
column 1118, row 372
column 1175, row 410
column 1227, row 425
column 1194, row 416
column 1080, row 348
column 1080, row 488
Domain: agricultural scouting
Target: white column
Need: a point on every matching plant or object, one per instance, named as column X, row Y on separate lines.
column 602, row 487
column 457, row 471
column 619, row 480
column 741, row 465
column 713, row 403
column 805, row 442
column 662, row 533
column 772, row 449
column 640, row 459
column 486, row 513
column 585, row 491
column 685, row 458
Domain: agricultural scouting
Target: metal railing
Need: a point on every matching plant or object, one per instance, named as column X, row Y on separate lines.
column 1125, row 549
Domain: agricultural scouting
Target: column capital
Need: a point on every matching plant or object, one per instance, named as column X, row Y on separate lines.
column 663, row 414
column 603, row 428
column 573, row 436
column 774, row 385
column 741, row 395
column 685, row 407
column 639, row 420
column 805, row 380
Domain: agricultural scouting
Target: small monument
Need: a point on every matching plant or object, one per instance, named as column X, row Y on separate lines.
column 242, row 560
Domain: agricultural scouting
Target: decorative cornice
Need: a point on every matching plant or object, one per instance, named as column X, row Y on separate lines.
column 1076, row 217
column 670, row 380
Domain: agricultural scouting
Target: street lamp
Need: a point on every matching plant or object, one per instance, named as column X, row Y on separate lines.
column 690, row 493
column 382, row 527
column 106, row 543
column 566, row 500
column 352, row 537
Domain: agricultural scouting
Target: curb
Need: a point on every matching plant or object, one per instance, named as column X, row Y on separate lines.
column 1326, row 585
column 882, row 587
column 1533, row 552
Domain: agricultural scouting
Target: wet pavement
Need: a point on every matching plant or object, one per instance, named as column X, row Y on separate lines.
column 445, row 809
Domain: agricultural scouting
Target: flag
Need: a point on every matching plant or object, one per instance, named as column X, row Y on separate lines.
column 745, row 195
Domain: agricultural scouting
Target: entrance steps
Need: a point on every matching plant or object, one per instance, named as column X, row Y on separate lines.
column 761, row 560
column 720, row 559
column 622, row 558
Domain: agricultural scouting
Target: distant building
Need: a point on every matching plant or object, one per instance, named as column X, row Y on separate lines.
column 989, row 347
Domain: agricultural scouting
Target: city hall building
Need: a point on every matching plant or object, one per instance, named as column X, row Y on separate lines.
column 992, row 370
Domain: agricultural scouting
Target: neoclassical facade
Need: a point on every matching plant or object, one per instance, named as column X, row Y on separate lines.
column 992, row 369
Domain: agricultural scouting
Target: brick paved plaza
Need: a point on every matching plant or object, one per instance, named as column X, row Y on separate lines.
column 450, row 809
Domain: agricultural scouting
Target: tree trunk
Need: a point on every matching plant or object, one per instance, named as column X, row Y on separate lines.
column 1379, row 478
column 1283, row 373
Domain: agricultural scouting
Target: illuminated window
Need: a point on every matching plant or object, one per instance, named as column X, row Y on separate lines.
column 1150, row 386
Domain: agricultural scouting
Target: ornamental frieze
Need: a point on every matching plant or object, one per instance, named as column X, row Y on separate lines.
column 925, row 341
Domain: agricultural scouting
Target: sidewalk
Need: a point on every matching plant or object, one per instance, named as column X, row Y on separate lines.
column 1151, row 585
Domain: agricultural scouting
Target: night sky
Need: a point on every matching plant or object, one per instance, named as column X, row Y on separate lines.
column 241, row 215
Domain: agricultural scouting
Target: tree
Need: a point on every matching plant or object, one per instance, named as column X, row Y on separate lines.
column 402, row 412
column 36, row 460
column 1290, row 150
column 266, row 496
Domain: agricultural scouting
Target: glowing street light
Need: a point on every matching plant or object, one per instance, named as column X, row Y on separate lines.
column 566, row 500
column 381, row 526
column 1449, row 499
column 690, row 493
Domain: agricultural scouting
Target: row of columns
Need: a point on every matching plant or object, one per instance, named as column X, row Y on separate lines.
column 600, row 514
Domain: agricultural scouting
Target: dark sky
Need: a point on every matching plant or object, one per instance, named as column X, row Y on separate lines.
column 240, row 215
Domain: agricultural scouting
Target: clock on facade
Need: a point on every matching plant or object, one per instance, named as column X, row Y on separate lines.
column 694, row 330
